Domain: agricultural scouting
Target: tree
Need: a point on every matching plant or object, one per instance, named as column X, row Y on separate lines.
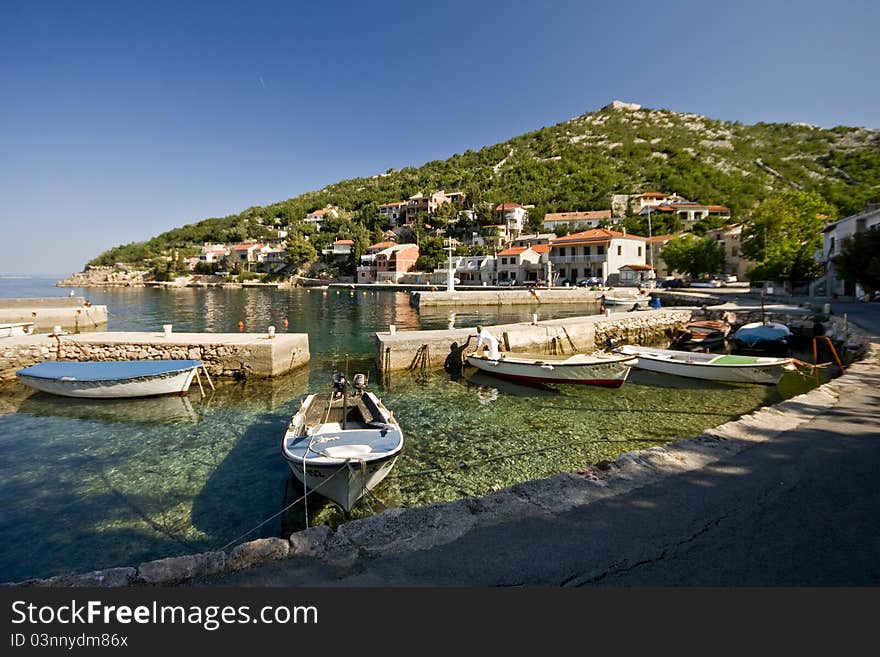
column 693, row 255
column 299, row 251
column 859, row 260
column 431, row 254
column 783, row 234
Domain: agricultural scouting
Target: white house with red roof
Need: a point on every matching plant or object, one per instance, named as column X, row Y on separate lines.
column 688, row 212
column 394, row 212
column 523, row 263
column 318, row 217
column 513, row 216
column 595, row 253
column 213, row 252
column 250, row 252
column 575, row 220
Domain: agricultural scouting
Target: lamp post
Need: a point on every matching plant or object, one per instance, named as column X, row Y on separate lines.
column 450, row 276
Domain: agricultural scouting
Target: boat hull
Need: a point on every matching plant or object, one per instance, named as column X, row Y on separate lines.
column 94, row 381
column 725, row 369
column 626, row 301
column 607, row 373
column 341, row 463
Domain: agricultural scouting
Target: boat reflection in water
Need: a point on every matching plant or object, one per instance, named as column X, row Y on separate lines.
column 148, row 410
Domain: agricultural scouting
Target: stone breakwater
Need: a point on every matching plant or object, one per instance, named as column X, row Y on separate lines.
column 47, row 312
column 350, row 547
column 224, row 354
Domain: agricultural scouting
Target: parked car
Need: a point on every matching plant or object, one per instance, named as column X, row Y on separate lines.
column 595, row 281
column 708, row 283
column 670, row 283
column 507, row 282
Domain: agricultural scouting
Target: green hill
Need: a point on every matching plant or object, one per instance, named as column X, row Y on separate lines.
column 578, row 165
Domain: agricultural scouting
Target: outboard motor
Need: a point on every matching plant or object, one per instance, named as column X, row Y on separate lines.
column 360, row 382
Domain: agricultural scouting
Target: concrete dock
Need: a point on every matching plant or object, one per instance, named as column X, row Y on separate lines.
column 584, row 334
column 225, row 354
column 73, row 313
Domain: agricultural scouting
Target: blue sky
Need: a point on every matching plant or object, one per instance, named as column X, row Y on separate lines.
column 120, row 120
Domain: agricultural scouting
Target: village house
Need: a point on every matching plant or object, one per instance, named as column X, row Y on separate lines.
column 730, row 238
column 475, row 270
column 395, row 213
column 387, row 261
column 249, row 253
column 835, row 235
column 213, row 252
column 513, row 217
column 318, row 217
column 523, row 264
column 574, row 221
column 340, row 248
column 419, row 203
column 274, row 259
column 687, row 212
column 596, row 253
column 530, row 240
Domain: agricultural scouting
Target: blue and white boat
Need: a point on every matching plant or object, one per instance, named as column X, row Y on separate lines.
column 111, row 379
column 762, row 337
column 342, row 444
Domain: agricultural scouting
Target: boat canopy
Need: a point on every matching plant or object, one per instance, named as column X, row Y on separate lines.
column 106, row 370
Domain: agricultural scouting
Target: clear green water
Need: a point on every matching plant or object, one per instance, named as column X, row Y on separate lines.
column 88, row 485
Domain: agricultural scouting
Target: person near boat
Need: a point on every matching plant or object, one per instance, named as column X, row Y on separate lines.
column 485, row 337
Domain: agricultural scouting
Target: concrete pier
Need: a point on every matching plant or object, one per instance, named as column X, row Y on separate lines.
column 48, row 312
column 225, row 354
column 508, row 297
column 584, row 334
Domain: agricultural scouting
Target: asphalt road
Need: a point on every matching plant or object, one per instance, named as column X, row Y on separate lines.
column 801, row 509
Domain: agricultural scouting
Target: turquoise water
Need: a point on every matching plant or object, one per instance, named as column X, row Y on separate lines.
column 88, row 485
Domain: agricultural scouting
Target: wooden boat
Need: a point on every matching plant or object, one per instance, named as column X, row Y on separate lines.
column 701, row 335
column 8, row 330
column 111, row 379
column 342, row 444
column 710, row 367
column 762, row 338
column 600, row 369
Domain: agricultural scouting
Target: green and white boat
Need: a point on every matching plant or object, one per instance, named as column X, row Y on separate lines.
column 710, row 367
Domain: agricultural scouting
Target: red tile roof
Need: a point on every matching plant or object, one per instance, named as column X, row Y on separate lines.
column 541, row 248
column 592, row 236
column 344, row 242
column 578, row 216
column 381, row 245
column 639, row 267
column 508, row 206
column 515, row 250
column 652, row 195
column 719, row 208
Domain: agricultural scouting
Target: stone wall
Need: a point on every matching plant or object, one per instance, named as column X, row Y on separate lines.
column 225, row 355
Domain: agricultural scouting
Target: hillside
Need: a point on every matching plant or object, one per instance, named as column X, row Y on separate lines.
column 579, row 164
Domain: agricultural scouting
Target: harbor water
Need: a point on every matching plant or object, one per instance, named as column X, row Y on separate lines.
column 87, row 485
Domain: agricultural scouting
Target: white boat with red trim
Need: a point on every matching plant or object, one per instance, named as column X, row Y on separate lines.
column 599, row 369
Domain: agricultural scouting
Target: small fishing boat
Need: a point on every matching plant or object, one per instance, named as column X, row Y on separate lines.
column 8, row 330
column 342, row 444
column 111, row 379
column 641, row 300
column 710, row 367
column 600, row 369
column 701, row 335
column 770, row 338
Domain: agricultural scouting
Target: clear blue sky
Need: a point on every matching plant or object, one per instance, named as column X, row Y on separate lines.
column 120, row 120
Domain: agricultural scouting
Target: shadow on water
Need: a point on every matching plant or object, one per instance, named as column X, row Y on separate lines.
column 244, row 489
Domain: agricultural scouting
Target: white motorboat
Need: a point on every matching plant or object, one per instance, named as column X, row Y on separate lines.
column 710, row 367
column 641, row 300
column 342, row 444
column 599, row 369
column 111, row 379
column 8, row 330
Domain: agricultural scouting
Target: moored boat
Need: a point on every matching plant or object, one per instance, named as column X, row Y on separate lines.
column 762, row 337
column 600, row 369
column 705, row 334
column 111, row 379
column 622, row 300
column 710, row 367
column 11, row 329
column 342, row 444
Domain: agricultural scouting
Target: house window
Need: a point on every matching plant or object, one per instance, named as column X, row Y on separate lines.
column 561, row 273
column 562, row 251
column 640, row 252
column 600, row 250
column 619, row 250
column 587, row 250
